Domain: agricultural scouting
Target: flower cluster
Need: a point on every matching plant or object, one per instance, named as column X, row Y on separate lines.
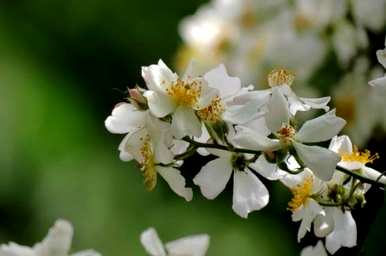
column 251, row 135
column 253, row 36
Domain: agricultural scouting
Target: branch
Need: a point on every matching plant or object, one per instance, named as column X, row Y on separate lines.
column 360, row 177
column 221, row 147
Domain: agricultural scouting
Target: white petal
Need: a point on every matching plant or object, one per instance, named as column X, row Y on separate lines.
column 381, row 56
column 345, row 231
column 318, row 250
column 321, row 161
column 135, row 142
column 258, row 125
column 125, row 118
column 374, row 174
column 249, row 193
column 323, row 225
column 192, row 70
column 176, row 181
column 278, row 113
column 153, row 245
column 311, row 210
column 379, row 82
column 13, row 249
column 240, row 114
column 207, row 94
column 292, row 180
column 124, row 155
column 341, row 145
column 196, row 245
column 321, row 128
column 317, row 103
column 158, row 77
column 213, row 177
column 246, row 138
column 57, row 241
column 218, row 78
column 185, row 122
column 160, row 104
column 179, row 146
column 267, row 169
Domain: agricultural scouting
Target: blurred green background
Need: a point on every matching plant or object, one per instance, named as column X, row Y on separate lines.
column 63, row 66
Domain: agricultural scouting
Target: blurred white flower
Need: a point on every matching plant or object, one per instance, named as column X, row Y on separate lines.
column 196, row 245
column 56, row 243
column 370, row 13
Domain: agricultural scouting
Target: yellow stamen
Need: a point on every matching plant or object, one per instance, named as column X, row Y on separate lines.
column 300, row 193
column 185, row 93
column 279, row 77
column 148, row 165
column 357, row 156
column 213, row 112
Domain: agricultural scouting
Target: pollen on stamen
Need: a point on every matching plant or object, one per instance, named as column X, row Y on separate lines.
column 362, row 157
column 213, row 112
column 300, row 194
column 279, row 77
column 185, row 93
column 148, row 165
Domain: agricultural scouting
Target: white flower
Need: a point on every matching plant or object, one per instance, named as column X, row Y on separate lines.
column 320, row 160
column 304, row 208
column 354, row 160
column 196, row 245
column 56, row 243
column 180, row 97
column 370, row 13
column 280, row 81
column 228, row 87
column 149, row 142
column 320, row 13
column 249, row 193
column 317, row 250
column 125, row 119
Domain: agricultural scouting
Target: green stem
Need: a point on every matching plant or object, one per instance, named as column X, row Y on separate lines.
column 360, row 177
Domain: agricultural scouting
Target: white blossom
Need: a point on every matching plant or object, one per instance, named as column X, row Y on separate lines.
column 56, row 243
column 196, row 245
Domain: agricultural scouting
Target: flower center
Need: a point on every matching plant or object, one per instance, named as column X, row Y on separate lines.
column 185, row 93
column 213, row 112
column 148, row 165
column 279, row 77
column 357, row 156
column 239, row 162
column 286, row 134
column 300, row 193
column 302, row 22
